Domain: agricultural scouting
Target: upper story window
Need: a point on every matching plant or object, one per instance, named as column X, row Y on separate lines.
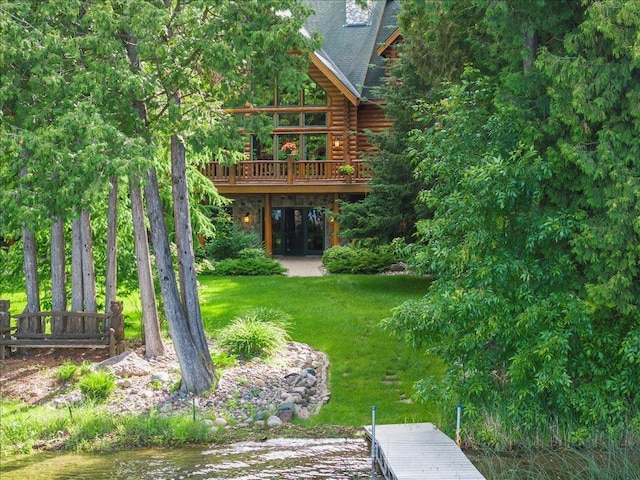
column 312, row 95
column 299, row 118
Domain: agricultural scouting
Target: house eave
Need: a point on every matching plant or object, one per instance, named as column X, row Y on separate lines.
column 388, row 42
column 319, row 62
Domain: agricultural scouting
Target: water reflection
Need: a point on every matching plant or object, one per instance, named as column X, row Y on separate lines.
column 273, row 459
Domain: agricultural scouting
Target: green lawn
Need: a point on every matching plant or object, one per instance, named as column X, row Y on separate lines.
column 339, row 315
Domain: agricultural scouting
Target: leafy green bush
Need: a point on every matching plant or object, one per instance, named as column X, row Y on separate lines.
column 252, row 253
column 98, row 385
column 223, row 360
column 66, row 372
column 354, row 259
column 259, row 332
column 229, row 242
column 247, row 266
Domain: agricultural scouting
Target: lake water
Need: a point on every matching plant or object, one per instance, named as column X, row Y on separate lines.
column 281, row 459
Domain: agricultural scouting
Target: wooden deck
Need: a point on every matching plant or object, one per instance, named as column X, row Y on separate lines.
column 419, row 451
column 286, row 172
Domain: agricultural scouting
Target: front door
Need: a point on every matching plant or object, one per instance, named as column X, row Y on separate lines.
column 297, row 231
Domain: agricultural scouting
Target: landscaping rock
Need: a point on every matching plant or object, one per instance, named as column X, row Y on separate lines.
column 279, row 388
column 127, row 364
column 162, row 377
column 274, row 421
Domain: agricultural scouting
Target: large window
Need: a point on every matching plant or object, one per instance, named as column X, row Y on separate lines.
column 298, row 132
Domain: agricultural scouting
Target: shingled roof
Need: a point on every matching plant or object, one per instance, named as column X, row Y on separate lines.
column 349, row 51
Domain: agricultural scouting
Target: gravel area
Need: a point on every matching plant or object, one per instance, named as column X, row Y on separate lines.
column 293, row 384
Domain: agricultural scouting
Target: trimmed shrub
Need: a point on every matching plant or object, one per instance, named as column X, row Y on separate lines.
column 353, row 259
column 259, row 332
column 252, row 253
column 247, row 266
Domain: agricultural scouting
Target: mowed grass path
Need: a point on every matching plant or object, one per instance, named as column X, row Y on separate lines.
column 339, row 315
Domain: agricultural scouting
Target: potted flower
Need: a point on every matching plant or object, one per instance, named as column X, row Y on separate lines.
column 289, row 149
column 346, row 169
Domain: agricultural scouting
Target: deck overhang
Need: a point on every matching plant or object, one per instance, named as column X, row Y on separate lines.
column 293, row 189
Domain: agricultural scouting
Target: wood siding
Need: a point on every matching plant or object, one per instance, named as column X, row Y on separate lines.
column 346, row 123
column 370, row 117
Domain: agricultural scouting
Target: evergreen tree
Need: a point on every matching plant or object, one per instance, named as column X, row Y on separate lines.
column 79, row 109
column 530, row 156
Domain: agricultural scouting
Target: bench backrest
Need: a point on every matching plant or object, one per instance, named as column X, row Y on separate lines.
column 61, row 324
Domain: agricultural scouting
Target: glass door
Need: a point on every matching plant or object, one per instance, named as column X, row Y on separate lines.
column 297, row 231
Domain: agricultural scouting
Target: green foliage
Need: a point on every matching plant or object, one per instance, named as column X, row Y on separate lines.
column 229, row 241
column 66, row 372
column 248, row 265
column 97, row 385
column 71, row 100
column 223, row 360
column 259, row 332
column 346, row 170
column 604, row 462
column 251, row 253
column 354, row 259
column 533, row 197
column 388, row 211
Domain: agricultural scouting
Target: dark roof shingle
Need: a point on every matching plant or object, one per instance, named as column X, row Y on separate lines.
column 350, row 51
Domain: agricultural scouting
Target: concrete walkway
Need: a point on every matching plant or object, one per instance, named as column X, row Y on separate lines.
column 302, row 266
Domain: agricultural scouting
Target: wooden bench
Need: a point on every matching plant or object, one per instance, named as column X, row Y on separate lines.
column 61, row 330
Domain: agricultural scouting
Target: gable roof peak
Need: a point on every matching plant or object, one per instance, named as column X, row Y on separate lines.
column 351, row 31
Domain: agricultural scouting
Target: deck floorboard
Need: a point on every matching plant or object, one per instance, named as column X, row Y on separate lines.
column 419, row 451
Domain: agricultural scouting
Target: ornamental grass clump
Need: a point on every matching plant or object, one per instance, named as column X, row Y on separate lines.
column 97, row 385
column 66, row 372
column 258, row 332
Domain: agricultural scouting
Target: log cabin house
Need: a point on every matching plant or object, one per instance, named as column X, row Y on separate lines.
column 314, row 157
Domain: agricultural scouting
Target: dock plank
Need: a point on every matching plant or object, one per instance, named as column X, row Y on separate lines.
column 419, row 451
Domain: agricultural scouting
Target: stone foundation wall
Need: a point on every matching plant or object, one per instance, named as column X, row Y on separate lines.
column 253, row 206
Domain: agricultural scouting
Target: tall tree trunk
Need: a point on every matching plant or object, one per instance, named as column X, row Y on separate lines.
column 111, row 271
column 184, row 242
column 531, row 45
column 77, row 291
column 89, row 271
column 58, row 276
column 196, row 367
column 195, row 363
column 88, row 264
column 152, row 339
column 30, row 265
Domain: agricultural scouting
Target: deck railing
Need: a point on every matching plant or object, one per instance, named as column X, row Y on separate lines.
column 286, row 172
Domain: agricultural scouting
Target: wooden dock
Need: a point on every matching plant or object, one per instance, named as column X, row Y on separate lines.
column 419, row 451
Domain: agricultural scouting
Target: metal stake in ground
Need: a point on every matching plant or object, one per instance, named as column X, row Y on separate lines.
column 373, row 443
